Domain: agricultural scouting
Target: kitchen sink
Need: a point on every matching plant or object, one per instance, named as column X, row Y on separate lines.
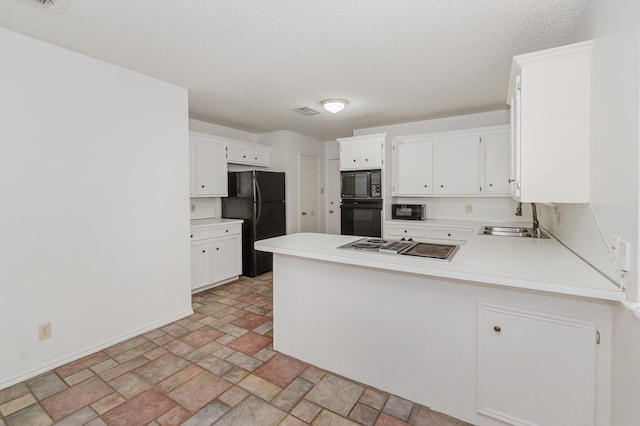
column 510, row 231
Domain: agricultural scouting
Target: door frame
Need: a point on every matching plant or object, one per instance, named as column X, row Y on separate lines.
column 317, row 189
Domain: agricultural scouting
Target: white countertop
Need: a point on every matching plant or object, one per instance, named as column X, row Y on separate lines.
column 199, row 223
column 526, row 263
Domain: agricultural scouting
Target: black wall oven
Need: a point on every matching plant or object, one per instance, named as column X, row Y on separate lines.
column 361, row 217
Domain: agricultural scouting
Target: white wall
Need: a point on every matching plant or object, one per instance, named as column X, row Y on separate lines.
column 614, row 26
column 286, row 147
column 94, row 220
column 226, row 132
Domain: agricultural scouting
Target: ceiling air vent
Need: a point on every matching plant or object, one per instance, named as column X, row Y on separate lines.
column 305, row 110
column 53, row 6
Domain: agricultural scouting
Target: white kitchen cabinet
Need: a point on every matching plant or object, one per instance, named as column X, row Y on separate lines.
column 549, row 94
column 412, row 166
column 362, row 152
column 208, row 166
column 249, row 154
column 495, row 162
column 457, row 164
column 535, row 368
column 456, row 236
column 398, row 231
column 216, row 254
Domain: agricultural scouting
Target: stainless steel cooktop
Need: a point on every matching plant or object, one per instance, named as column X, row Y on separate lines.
column 408, row 248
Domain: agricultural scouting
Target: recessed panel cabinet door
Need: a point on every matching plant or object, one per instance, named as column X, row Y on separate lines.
column 210, row 165
column 535, row 368
column 496, row 162
column 457, row 165
column 226, row 257
column 412, row 167
column 200, row 264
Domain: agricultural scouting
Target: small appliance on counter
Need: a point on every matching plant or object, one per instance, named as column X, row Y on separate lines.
column 408, row 211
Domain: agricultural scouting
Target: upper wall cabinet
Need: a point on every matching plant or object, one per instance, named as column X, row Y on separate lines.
column 208, row 166
column 412, row 166
column 249, row 154
column 473, row 162
column 550, row 100
column 362, row 152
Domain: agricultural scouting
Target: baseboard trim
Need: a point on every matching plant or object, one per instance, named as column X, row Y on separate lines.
column 93, row 349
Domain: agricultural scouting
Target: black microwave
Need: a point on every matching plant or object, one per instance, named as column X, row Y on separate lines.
column 361, row 184
column 408, row 211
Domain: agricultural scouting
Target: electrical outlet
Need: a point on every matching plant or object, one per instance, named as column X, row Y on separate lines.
column 44, row 331
column 468, row 208
column 615, row 248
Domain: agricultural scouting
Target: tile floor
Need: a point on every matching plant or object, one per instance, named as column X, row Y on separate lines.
column 215, row 367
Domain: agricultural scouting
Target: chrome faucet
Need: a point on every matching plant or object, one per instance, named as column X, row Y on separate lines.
column 536, row 225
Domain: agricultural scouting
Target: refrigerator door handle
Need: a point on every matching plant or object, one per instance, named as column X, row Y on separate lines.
column 258, row 200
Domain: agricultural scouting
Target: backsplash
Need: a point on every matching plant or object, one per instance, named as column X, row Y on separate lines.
column 205, row 208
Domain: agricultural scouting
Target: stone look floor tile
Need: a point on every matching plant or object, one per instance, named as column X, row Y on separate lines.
column 306, row 410
column 373, row 399
column 199, row 391
column 363, row 415
column 336, row 394
column 17, row 404
column 78, row 377
column 260, row 387
column 252, row 411
column 140, row 410
column 107, row 403
column 194, row 372
column 327, row 418
column 129, row 385
column 46, row 385
column 233, row 396
column 398, row 407
column 280, row 370
column 386, row 420
column 32, row 415
column 288, row 398
column 72, row 399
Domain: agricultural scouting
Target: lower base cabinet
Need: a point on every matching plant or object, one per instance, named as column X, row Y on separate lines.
column 216, row 255
column 535, row 368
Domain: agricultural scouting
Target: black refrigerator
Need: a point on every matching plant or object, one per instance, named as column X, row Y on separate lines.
column 259, row 198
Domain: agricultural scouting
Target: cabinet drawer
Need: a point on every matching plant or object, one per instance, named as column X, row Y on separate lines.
column 199, row 234
column 221, row 231
column 448, row 234
column 406, row 231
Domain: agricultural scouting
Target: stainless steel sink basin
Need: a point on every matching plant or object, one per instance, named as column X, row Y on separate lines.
column 510, row 231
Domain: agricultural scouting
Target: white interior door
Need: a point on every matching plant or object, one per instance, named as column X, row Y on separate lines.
column 309, row 193
column 333, row 197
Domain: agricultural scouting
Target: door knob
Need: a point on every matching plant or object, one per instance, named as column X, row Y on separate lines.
column 304, row 213
column 331, row 211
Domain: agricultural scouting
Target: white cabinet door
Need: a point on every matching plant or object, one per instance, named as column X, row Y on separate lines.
column 457, row 165
column 371, row 155
column 495, row 162
column 237, row 153
column 260, row 156
column 200, row 264
column 349, row 156
column 412, row 166
column 550, row 91
column 226, row 258
column 362, row 152
column 209, row 167
column 535, row 368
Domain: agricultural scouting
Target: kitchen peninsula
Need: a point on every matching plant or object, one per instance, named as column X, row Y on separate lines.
column 508, row 321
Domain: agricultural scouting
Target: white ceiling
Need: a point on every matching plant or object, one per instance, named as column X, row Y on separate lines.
column 249, row 64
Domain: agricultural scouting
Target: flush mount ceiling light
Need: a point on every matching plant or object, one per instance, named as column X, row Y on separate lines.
column 334, row 105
